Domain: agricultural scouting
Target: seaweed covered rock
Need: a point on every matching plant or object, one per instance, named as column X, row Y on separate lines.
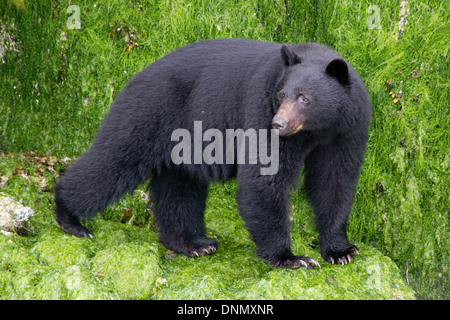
column 14, row 216
column 57, row 266
column 370, row 276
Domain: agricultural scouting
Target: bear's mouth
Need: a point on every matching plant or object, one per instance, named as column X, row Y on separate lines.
column 298, row 128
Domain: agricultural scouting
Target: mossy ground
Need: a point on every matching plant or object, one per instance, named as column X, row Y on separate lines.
column 124, row 260
column 57, row 83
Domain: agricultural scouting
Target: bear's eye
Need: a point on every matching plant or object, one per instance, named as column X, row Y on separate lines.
column 281, row 95
column 302, row 98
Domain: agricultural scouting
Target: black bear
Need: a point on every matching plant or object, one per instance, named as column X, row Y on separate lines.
column 308, row 93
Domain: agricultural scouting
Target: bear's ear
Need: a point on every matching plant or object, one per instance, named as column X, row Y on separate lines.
column 288, row 56
column 338, row 69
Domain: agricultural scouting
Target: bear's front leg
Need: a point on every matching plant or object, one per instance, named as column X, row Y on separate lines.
column 332, row 172
column 264, row 208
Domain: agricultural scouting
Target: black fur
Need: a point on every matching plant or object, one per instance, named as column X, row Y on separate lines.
column 229, row 84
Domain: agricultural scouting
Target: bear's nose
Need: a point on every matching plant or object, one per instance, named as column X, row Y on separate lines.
column 279, row 123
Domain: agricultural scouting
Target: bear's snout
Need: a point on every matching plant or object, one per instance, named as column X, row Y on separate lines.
column 280, row 124
column 288, row 119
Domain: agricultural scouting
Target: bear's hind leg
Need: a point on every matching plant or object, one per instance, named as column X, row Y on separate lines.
column 178, row 203
column 97, row 179
column 70, row 223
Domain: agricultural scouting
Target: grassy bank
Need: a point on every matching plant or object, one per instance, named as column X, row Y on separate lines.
column 57, row 83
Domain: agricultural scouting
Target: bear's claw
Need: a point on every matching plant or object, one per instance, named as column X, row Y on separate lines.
column 203, row 251
column 297, row 262
column 344, row 257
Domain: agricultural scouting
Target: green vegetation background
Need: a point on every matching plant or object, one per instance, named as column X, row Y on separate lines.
column 57, row 83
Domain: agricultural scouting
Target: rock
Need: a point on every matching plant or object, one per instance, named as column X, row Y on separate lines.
column 13, row 215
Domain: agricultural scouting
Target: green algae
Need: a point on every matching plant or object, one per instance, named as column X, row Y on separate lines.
column 73, row 282
column 126, row 262
column 368, row 276
column 131, row 269
column 55, row 250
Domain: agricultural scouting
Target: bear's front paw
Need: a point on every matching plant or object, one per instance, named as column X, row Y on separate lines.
column 340, row 256
column 296, row 262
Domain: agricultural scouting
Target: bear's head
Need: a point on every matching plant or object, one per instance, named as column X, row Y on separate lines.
column 311, row 92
